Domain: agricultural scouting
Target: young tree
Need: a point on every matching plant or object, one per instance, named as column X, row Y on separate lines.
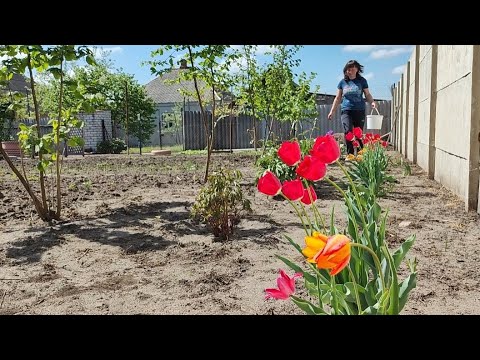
column 208, row 65
column 248, row 85
column 106, row 87
column 174, row 120
column 141, row 122
column 29, row 58
column 273, row 92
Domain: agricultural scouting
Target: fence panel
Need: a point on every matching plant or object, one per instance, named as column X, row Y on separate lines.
column 242, row 128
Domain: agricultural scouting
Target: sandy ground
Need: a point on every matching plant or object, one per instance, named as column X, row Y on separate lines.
column 128, row 246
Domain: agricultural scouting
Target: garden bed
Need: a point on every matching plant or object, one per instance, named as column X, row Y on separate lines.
column 128, row 246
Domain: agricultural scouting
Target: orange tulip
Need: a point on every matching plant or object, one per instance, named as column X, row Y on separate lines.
column 315, row 244
column 335, row 254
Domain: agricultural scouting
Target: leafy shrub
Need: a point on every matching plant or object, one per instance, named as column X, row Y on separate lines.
column 370, row 173
column 271, row 161
column 220, row 203
column 114, row 146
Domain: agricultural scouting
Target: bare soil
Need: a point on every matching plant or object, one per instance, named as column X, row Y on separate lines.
column 127, row 245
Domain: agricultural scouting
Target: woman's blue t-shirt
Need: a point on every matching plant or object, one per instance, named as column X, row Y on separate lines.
column 353, row 93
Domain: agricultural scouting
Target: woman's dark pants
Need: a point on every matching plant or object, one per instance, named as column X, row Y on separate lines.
column 351, row 119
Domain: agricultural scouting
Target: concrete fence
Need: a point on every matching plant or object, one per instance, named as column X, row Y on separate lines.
column 436, row 116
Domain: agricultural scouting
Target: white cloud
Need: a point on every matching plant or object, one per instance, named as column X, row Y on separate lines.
column 387, row 53
column 359, row 48
column 260, row 50
column 368, row 76
column 399, row 69
column 114, row 49
column 379, row 51
column 238, row 64
column 99, row 51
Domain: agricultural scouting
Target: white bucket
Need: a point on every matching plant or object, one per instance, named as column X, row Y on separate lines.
column 374, row 121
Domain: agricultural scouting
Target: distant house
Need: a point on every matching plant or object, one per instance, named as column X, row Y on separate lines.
column 18, row 83
column 168, row 97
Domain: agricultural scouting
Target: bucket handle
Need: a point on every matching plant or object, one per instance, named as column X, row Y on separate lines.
column 371, row 112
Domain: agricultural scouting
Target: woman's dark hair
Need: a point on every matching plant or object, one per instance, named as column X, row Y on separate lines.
column 350, row 64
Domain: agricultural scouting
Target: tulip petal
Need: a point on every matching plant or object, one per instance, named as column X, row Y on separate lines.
column 289, row 152
column 357, row 132
column 269, row 184
column 293, row 189
column 326, row 149
column 335, row 255
column 315, row 242
column 309, row 252
column 285, row 284
column 312, row 168
column 340, row 266
column 275, row 294
column 335, row 243
column 306, row 196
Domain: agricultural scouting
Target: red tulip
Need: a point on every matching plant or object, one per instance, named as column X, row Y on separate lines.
column 349, row 136
column 326, row 149
column 357, row 132
column 335, row 255
column 311, row 168
column 355, row 143
column 286, row 287
column 306, row 197
column 269, row 184
column 289, row 153
column 293, row 189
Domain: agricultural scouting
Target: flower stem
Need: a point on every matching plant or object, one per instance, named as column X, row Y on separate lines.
column 308, row 217
column 316, row 213
column 319, row 292
column 394, row 301
column 375, row 259
column 324, row 279
column 357, row 297
column 365, row 227
column 334, row 294
column 298, row 213
column 348, row 204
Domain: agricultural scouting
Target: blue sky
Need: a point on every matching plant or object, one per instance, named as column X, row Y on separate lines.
column 383, row 64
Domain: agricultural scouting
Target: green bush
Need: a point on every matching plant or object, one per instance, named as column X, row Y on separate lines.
column 114, row 146
column 220, row 203
column 370, row 173
column 270, row 160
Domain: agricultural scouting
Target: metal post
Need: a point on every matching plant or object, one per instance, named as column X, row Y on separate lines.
column 126, row 117
column 140, row 133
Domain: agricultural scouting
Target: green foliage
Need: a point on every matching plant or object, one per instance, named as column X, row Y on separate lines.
column 114, row 146
column 370, row 174
column 6, row 119
column 37, row 59
column 208, row 68
column 107, row 90
column 270, row 160
column 220, row 203
column 275, row 91
column 370, row 283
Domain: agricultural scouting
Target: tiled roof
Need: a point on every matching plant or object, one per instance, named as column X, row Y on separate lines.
column 17, row 83
column 163, row 92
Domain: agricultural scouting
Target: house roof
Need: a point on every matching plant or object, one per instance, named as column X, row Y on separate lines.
column 163, row 92
column 17, row 83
